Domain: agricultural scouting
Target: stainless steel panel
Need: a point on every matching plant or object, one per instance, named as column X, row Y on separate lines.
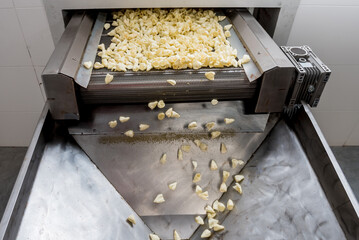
column 282, row 198
column 329, row 173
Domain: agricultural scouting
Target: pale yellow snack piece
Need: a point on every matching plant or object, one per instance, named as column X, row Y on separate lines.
column 236, row 162
column 129, row 133
column 169, row 112
column 194, row 164
column 245, row 59
column 230, row 204
column 215, row 205
column 205, row 234
column 196, row 178
column 226, row 175
column 238, row 178
column 131, row 219
column 107, row 26
column 203, row 147
column 114, row 23
column 197, row 142
column 98, row 65
column 176, row 236
column 209, row 209
column 124, row 119
column 161, row 104
column 238, row 188
column 199, row 220
column 227, row 34
column 227, row 27
column 211, row 215
column 186, row 148
column 179, row 154
column 221, row 18
column 152, row 105
column 163, row 158
column 212, row 222
column 88, row 64
column 210, row 125
column 112, row 124
column 215, row 134
column 108, row 78
column 143, row 127
column 223, row 187
column 210, row 75
column 172, row 82
column 204, row 195
column 172, row 186
column 221, row 207
column 175, row 114
column 101, row 47
column 218, row 227
column 198, row 189
column 192, row 125
column 161, row 116
column 223, row 148
column 229, row 120
column 112, row 33
column 214, row 102
column 239, row 63
column 154, row 237
column 159, row 199
column 213, row 165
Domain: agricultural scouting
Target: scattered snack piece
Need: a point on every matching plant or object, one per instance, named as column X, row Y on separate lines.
column 194, row 164
column 159, row 199
column 205, row 234
column 172, row 82
column 152, row 105
column 175, row 114
column 227, row 27
column 112, row 124
column 209, row 209
column 192, row 125
column 227, row 34
column 213, row 165
column 245, row 59
column 107, row 26
column 229, row 120
column 198, row 189
column 203, row 147
column 199, row 220
column 124, row 119
column 161, row 116
column 154, row 237
column 176, row 236
column 238, row 188
column 221, row 207
column 203, row 195
column 197, row 142
column 210, row 125
column 179, row 154
column 161, row 104
column 169, row 112
column 131, row 220
column 223, row 187
column 236, row 162
column 163, row 159
column 129, row 133
column 108, row 78
column 230, row 204
column 215, row 134
column 143, row 127
column 98, row 65
column 210, row 75
column 218, row 227
column 211, row 215
column 212, row 222
column 172, row 186
column 214, row 102
column 238, row 178
column 221, row 18
column 197, row 177
column 223, row 148
column 88, row 64
column 114, row 23
column 226, row 175
column 215, row 205
column 186, row 148
column 112, row 33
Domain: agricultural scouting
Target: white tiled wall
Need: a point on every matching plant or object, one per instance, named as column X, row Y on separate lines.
column 330, row 28
column 25, row 46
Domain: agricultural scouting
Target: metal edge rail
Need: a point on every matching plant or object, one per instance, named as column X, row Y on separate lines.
column 10, row 224
column 328, row 171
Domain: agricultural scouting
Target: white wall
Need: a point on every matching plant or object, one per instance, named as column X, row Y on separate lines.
column 329, row 27
column 25, row 46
